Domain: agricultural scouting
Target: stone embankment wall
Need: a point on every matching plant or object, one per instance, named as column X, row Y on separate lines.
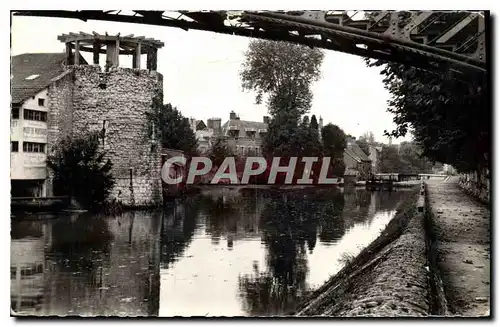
column 117, row 103
column 391, row 277
column 477, row 185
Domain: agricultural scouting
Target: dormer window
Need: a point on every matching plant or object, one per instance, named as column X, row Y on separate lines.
column 32, row 77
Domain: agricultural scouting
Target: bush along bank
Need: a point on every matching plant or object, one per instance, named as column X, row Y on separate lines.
column 388, row 278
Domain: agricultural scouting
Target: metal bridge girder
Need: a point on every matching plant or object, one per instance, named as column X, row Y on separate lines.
column 457, row 41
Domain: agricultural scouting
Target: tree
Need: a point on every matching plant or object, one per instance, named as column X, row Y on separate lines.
column 308, row 139
column 282, row 136
column 174, row 130
column 334, row 144
column 448, row 115
column 412, row 159
column 389, row 160
column 81, row 171
column 283, row 72
column 314, row 123
column 219, row 151
column 368, row 137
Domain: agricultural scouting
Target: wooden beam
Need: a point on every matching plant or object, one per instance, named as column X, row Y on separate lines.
column 117, row 53
column 154, row 60
column 77, row 53
column 103, row 51
column 96, row 49
column 88, row 38
column 69, row 60
column 137, row 57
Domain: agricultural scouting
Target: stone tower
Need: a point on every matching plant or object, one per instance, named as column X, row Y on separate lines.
column 117, row 102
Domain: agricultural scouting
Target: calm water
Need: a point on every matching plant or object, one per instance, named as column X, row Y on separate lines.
column 222, row 253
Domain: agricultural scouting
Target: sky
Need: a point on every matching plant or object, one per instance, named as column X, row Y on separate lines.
column 201, row 73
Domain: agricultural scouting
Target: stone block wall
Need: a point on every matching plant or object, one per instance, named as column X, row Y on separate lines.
column 59, row 116
column 60, row 113
column 477, row 185
column 118, row 104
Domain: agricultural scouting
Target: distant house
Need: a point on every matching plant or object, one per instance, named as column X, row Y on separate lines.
column 357, row 163
column 243, row 136
column 205, row 133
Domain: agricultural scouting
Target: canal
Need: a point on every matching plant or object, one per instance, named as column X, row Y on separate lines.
column 225, row 252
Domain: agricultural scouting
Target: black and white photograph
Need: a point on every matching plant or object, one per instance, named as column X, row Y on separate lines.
column 250, row 163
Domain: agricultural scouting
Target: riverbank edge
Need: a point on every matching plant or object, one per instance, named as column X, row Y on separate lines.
column 438, row 296
column 405, row 234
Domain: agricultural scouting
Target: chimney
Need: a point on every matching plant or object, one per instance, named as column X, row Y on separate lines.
column 210, row 123
column 216, row 125
column 266, row 119
column 320, row 125
column 232, row 115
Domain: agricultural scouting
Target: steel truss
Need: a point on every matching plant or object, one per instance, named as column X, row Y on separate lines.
column 440, row 41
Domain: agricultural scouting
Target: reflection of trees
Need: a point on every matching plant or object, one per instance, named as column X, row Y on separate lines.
column 389, row 200
column 79, row 245
column 357, row 205
column 233, row 217
column 332, row 220
column 290, row 222
column 221, row 215
column 178, row 226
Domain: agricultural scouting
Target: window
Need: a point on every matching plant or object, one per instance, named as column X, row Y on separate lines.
column 41, row 102
column 15, row 113
column 14, row 146
column 29, row 114
column 33, row 147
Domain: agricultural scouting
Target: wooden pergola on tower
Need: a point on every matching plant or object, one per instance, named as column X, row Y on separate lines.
column 111, row 45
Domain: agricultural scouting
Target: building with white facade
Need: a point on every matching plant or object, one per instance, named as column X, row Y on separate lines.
column 31, row 75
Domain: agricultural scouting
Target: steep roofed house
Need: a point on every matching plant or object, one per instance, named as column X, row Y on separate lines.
column 357, row 163
column 31, row 77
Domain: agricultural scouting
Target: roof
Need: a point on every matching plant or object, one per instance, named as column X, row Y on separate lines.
column 125, row 41
column 354, row 147
column 46, row 65
column 352, row 154
column 242, row 125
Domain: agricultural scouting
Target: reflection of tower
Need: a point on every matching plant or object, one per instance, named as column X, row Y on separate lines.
column 133, row 257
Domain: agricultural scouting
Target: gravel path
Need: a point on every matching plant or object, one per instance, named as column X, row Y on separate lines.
column 462, row 227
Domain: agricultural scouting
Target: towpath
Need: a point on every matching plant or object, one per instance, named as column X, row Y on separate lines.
column 462, row 227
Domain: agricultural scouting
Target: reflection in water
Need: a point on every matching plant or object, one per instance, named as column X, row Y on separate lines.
column 228, row 252
column 259, row 252
column 85, row 265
